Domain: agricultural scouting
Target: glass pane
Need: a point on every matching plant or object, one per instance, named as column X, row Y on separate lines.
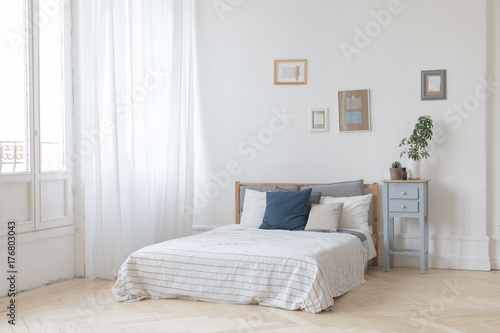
column 51, row 24
column 14, row 134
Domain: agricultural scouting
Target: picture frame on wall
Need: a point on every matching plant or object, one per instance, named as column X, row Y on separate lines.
column 290, row 71
column 318, row 120
column 433, row 85
column 354, row 110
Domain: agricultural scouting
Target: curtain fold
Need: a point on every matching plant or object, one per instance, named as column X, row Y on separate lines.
column 139, row 175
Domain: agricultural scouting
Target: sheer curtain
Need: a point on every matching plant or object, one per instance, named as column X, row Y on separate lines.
column 138, row 176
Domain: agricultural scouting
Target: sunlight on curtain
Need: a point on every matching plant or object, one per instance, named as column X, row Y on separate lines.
column 139, row 182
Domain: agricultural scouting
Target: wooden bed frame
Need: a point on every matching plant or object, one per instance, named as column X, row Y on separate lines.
column 373, row 187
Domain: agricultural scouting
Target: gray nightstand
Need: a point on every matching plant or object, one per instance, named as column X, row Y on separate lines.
column 406, row 198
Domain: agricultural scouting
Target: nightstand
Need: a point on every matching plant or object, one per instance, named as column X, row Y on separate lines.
column 406, row 198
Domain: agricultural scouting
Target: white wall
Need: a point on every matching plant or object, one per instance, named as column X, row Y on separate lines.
column 237, row 42
column 41, row 257
column 493, row 137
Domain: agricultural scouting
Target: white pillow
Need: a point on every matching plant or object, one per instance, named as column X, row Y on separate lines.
column 354, row 213
column 254, row 207
column 324, row 217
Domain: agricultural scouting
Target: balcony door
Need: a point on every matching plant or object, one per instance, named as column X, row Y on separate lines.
column 35, row 116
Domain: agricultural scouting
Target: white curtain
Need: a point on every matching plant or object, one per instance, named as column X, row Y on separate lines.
column 139, row 175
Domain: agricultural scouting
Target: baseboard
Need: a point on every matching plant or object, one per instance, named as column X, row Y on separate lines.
column 470, row 263
column 445, row 251
column 495, row 252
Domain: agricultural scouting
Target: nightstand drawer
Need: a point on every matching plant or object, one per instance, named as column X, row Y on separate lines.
column 403, row 192
column 403, row 206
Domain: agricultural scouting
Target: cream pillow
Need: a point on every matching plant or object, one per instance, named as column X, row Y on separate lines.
column 324, row 217
column 354, row 213
column 254, row 207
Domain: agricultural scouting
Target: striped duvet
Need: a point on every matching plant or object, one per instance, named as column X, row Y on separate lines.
column 233, row 264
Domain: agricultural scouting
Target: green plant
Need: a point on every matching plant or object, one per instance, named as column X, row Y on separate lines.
column 415, row 146
column 396, row 164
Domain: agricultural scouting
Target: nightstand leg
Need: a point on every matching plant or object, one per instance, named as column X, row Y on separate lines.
column 391, row 241
column 386, row 244
column 421, row 223
column 426, row 243
column 386, row 229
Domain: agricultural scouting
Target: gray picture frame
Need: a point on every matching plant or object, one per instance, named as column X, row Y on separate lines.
column 433, row 85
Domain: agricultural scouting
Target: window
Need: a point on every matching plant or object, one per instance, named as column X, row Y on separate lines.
column 36, row 110
column 14, row 115
column 51, row 81
column 32, row 87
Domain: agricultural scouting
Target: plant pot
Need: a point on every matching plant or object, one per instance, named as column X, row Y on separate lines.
column 413, row 168
column 395, row 173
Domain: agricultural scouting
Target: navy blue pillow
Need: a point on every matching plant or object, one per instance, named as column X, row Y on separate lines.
column 286, row 210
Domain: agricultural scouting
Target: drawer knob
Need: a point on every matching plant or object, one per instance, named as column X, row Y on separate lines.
column 403, row 206
column 403, row 193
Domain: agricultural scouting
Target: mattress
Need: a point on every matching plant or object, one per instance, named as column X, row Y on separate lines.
column 233, row 264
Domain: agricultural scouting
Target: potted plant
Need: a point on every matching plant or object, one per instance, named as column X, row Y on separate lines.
column 396, row 170
column 415, row 146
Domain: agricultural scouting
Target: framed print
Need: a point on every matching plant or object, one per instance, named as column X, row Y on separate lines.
column 318, row 120
column 433, row 84
column 290, row 71
column 354, row 110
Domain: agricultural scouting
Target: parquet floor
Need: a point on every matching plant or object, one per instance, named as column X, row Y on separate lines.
column 399, row 301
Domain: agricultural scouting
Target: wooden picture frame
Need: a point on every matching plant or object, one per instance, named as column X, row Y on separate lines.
column 433, row 85
column 318, row 120
column 354, row 110
column 290, row 71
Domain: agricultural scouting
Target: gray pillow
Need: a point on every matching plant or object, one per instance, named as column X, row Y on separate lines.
column 314, row 198
column 264, row 188
column 341, row 189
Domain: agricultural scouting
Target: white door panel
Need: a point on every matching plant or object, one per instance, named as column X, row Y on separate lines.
column 54, row 203
column 16, row 204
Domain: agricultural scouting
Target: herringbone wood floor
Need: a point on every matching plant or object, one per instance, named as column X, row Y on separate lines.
column 399, row 301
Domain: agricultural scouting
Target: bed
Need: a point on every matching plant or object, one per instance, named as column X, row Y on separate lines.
column 242, row 264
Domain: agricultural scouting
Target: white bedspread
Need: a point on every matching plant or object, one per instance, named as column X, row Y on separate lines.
column 285, row 269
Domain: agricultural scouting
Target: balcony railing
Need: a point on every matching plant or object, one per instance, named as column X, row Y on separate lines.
column 14, row 158
column 12, row 155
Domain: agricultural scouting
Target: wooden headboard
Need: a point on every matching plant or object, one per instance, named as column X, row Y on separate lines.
column 368, row 187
